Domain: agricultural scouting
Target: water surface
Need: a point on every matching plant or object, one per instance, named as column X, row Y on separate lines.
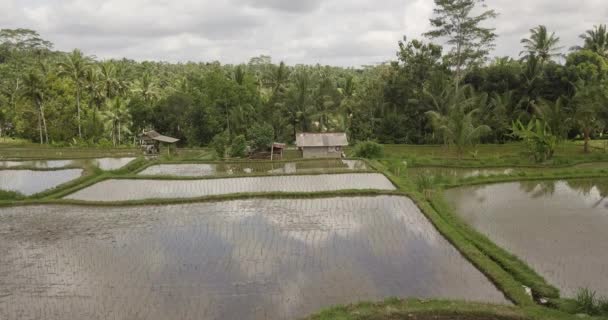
column 560, row 228
column 249, row 259
column 102, row 163
column 210, row 169
column 463, row 173
column 29, row 182
column 139, row 189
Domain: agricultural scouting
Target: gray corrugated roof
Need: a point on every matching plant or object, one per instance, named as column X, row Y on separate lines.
column 159, row 137
column 321, row 139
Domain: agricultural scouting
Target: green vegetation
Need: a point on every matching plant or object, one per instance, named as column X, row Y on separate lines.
column 537, row 137
column 432, row 93
column 238, row 147
column 10, row 195
column 469, row 111
column 220, row 143
column 420, row 310
column 369, row 150
column 587, row 302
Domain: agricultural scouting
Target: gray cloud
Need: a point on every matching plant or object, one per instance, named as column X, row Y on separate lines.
column 283, row 5
column 340, row 32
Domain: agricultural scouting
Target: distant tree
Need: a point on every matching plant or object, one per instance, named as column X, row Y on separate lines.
column 23, row 40
column 238, row 147
column 455, row 21
column 541, row 44
column 147, row 88
column 34, row 87
column 117, row 119
column 456, row 118
column 589, row 100
column 300, row 104
column 219, row 144
column 556, row 115
column 595, row 40
column 369, row 150
column 261, row 136
column 110, row 83
column 74, row 67
column 94, row 87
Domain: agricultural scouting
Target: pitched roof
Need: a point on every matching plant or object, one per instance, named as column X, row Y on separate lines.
column 306, row 139
column 159, row 137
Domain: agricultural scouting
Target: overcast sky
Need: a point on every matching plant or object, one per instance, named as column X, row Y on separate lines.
column 336, row 32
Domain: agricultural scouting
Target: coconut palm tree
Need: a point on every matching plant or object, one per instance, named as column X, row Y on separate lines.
column 94, row 87
column 541, row 44
column 595, row 40
column 74, row 66
column 117, row 119
column 147, row 88
column 34, row 85
column 107, row 76
column 456, row 120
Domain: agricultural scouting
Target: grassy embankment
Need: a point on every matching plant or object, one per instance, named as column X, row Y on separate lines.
column 432, row 191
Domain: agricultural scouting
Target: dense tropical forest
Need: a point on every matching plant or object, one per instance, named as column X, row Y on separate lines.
column 443, row 88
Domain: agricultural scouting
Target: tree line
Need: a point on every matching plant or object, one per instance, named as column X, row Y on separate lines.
column 439, row 89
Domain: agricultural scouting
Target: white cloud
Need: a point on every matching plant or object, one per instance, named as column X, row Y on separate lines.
column 340, row 32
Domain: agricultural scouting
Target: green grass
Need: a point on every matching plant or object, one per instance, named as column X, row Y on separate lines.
column 488, row 155
column 417, row 309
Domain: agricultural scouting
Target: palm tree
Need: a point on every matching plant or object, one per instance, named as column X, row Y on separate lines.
column 541, row 44
column 94, row 87
column 596, row 40
column 300, row 103
column 589, row 99
column 146, row 87
column 279, row 77
column 107, row 76
column 556, row 114
column 117, row 119
column 456, row 120
column 74, row 67
column 34, row 84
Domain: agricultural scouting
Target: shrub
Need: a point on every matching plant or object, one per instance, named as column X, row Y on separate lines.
column 261, row 136
column 219, row 143
column 238, row 148
column 369, row 149
column 10, row 195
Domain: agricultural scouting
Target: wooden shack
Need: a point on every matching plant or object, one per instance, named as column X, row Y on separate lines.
column 321, row 145
column 151, row 141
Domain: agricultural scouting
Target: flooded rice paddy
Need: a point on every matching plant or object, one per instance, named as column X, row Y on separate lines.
column 102, row 163
column 201, row 169
column 560, row 228
column 139, row 189
column 463, row 173
column 246, row 259
column 29, row 182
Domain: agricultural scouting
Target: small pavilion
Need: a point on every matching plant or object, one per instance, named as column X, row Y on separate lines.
column 151, row 141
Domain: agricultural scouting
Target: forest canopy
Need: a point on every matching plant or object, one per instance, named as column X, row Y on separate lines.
column 443, row 88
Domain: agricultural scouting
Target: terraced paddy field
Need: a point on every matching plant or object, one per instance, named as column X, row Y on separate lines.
column 102, row 163
column 140, row 189
column 29, row 182
column 213, row 169
column 558, row 227
column 463, row 173
column 245, row 259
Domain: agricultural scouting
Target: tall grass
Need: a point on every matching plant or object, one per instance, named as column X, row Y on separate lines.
column 587, row 302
